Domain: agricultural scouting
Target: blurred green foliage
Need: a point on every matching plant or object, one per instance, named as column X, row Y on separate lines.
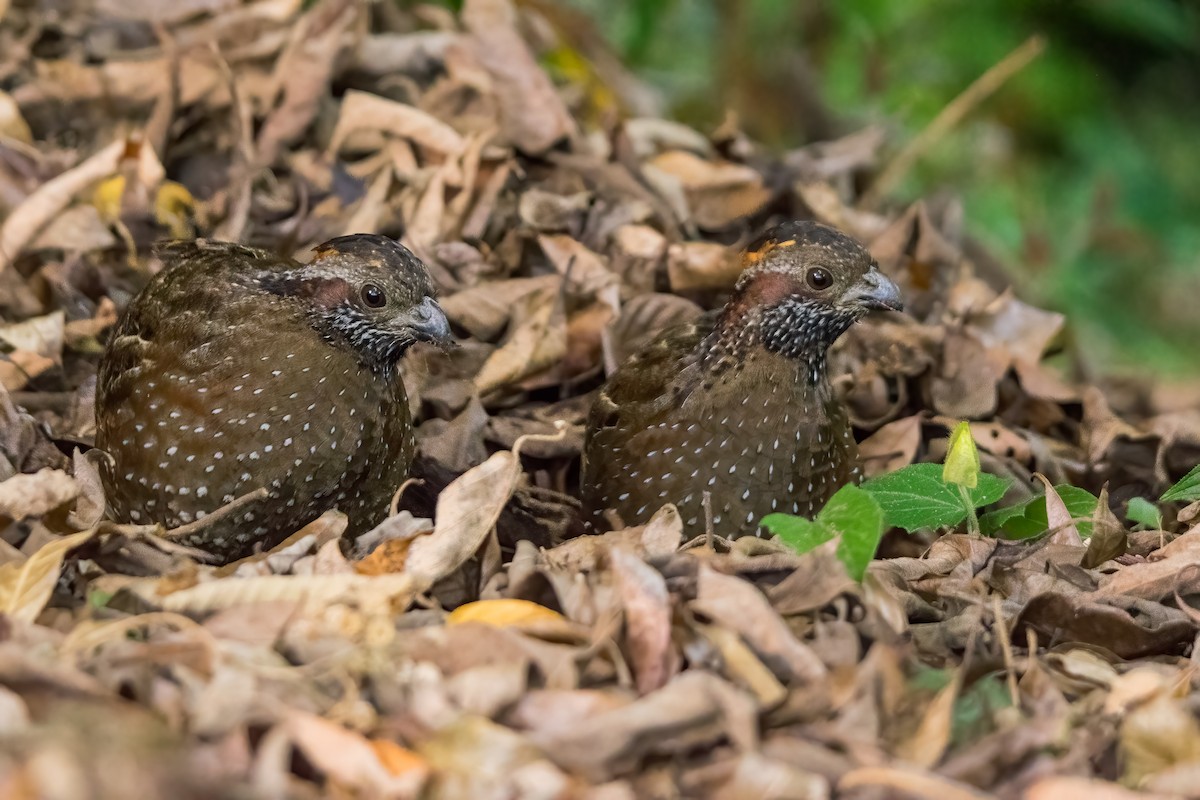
column 1083, row 172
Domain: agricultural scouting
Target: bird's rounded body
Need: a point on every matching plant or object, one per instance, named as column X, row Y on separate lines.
column 737, row 405
column 216, row 382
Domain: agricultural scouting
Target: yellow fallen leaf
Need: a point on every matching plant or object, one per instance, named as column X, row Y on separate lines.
column 174, row 208
column 502, row 613
column 107, row 197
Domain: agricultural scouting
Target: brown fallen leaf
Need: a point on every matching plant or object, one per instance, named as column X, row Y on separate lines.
column 737, row 604
column 1109, row 538
column 647, row 604
column 303, row 72
column 467, row 511
column 532, row 116
column 694, row 703
column 539, row 342
column 892, row 446
column 928, row 743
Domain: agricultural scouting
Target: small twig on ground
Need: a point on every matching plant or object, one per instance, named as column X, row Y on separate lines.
column 954, row 112
column 709, row 535
column 1006, row 650
column 227, row 510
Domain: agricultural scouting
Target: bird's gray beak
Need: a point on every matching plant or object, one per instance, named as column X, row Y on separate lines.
column 877, row 291
column 429, row 322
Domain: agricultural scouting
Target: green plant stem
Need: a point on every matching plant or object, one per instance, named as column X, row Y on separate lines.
column 972, row 517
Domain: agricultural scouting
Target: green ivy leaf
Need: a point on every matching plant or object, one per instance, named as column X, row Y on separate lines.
column 851, row 515
column 916, row 497
column 1187, row 490
column 798, row 533
column 1144, row 512
column 858, row 519
column 1028, row 520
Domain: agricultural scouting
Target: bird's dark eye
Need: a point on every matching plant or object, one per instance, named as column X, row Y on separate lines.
column 373, row 296
column 819, row 279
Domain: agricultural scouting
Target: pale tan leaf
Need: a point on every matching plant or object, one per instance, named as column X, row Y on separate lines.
column 12, row 124
column 314, row 590
column 928, row 743
column 701, row 265
column 466, row 511
column 364, row 111
column 503, row 612
column 1058, row 518
column 52, row 197
column 26, row 495
column 26, row 588
column 41, row 335
column 539, row 341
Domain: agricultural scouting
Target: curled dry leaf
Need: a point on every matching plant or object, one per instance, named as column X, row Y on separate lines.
column 486, row 310
column 42, row 336
column 744, row 667
column 474, row 757
column 304, row 72
column 693, row 703
column 1058, row 518
column 585, row 270
column 1158, row 735
column 926, row 746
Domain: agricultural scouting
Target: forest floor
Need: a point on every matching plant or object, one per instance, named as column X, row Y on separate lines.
column 443, row 658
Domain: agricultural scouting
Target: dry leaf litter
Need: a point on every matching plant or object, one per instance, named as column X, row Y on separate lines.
column 473, row 646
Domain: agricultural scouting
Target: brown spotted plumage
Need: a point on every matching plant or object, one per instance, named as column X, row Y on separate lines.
column 738, row 404
column 235, row 369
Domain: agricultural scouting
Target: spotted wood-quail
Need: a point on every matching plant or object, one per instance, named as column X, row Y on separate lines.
column 235, row 369
column 738, row 404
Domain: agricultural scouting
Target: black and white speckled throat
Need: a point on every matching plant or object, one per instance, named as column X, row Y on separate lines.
column 379, row 348
column 799, row 330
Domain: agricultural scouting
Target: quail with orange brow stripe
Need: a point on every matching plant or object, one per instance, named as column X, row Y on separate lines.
column 738, row 404
column 236, row 369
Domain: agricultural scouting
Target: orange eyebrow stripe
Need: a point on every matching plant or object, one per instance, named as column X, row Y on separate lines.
column 754, row 256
